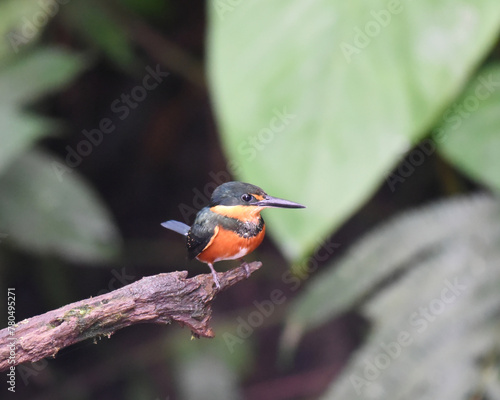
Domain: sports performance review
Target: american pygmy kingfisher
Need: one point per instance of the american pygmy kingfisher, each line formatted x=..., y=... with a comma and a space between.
x=231, y=226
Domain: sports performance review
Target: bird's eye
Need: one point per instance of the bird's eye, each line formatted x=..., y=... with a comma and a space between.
x=246, y=197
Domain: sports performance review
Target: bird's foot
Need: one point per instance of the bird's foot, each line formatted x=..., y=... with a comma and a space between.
x=216, y=281
x=245, y=265
x=214, y=274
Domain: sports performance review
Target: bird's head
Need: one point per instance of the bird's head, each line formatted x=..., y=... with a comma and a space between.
x=242, y=197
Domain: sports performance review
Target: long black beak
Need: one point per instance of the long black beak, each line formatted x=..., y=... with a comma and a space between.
x=270, y=201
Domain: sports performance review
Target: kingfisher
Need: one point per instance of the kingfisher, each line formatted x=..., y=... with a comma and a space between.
x=231, y=226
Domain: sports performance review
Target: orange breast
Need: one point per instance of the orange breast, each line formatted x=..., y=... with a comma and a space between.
x=228, y=245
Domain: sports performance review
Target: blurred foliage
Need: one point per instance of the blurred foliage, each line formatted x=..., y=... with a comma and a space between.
x=22, y=81
x=330, y=94
x=388, y=252
x=438, y=269
x=63, y=217
x=432, y=338
x=470, y=135
x=45, y=206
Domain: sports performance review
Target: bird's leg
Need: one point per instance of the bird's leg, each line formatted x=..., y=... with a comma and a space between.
x=244, y=264
x=214, y=274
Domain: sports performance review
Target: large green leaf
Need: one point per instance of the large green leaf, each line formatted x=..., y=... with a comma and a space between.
x=43, y=213
x=470, y=135
x=313, y=108
x=23, y=80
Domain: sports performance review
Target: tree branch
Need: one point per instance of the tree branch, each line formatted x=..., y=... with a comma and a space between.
x=158, y=299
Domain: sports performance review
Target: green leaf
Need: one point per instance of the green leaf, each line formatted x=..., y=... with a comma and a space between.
x=314, y=109
x=382, y=254
x=22, y=81
x=435, y=331
x=470, y=134
x=47, y=208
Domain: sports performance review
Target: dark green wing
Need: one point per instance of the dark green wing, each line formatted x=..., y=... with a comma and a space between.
x=201, y=232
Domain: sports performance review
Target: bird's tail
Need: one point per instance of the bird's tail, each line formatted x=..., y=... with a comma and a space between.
x=176, y=226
